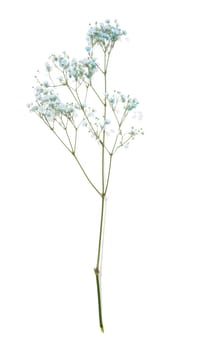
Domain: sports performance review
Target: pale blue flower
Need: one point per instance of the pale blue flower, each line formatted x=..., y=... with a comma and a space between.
x=34, y=108
x=63, y=62
x=46, y=84
x=38, y=90
x=50, y=113
x=44, y=98
x=111, y=100
x=88, y=48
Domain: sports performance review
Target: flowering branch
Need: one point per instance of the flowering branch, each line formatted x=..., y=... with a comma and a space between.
x=65, y=116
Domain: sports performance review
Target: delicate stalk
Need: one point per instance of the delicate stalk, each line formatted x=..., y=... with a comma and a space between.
x=109, y=172
x=94, y=90
x=97, y=269
x=68, y=138
x=75, y=140
x=84, y=172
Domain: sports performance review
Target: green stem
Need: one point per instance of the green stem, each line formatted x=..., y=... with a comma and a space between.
x=100, y=233
x=97, y=269
x=99, y=301
x=98, y=264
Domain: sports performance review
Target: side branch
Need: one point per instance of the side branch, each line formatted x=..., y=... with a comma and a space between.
x=74, y=155
x=94, y=90
x=84, y=172
x=54, y=132
x=109, y=172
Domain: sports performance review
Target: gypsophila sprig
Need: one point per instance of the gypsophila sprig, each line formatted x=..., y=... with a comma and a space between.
x=104, y=34
x=69, y=102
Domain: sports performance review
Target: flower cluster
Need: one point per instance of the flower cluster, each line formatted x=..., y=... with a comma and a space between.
x=83, y=68
x=76, y=69
x=104, y=34
x=135, y=131
x=49, y=105
x=126, y=128
x=127, y=102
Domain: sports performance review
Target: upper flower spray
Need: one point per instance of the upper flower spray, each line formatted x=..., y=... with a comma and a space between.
x=68, y=98
x=104, y=34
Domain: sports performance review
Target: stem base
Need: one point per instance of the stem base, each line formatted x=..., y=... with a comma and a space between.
x=97, y=274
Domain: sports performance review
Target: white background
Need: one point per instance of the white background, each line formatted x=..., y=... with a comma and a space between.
x=156, y=252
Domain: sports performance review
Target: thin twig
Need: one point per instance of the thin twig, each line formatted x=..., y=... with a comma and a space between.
x=100, y=99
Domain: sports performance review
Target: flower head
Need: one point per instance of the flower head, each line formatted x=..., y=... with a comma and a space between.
x=104, y=34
